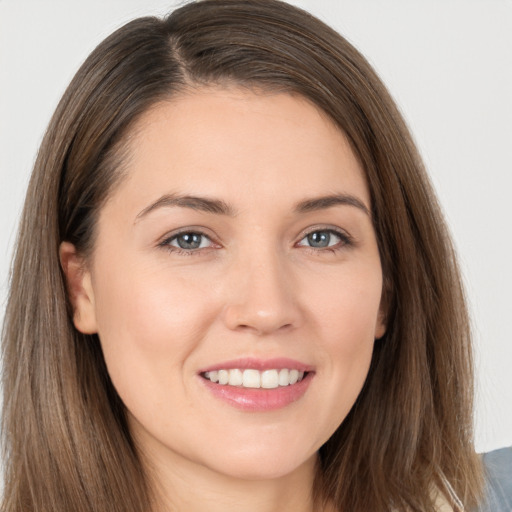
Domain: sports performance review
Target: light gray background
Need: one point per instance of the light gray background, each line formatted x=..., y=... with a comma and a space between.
x=448, y=64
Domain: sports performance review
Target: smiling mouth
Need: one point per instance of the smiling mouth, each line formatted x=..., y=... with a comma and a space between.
x=254, y=379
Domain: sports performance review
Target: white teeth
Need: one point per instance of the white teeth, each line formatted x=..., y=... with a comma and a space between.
x=236, y=378
x=251, y=379
x=284, y=377
x=213, y=376
x=267, y=379
x=223, y=376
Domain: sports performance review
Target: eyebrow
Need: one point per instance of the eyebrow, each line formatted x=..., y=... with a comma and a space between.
x=202, y=204
x=220, y=207
x=321, y=203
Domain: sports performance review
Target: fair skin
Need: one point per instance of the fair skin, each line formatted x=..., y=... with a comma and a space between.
x=261, y=273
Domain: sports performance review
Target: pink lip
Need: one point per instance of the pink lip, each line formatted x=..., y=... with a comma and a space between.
x=259, y=400
x=248, y=363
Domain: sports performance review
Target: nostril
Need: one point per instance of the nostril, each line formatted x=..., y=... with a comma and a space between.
x=261, y=330
x=262, y=313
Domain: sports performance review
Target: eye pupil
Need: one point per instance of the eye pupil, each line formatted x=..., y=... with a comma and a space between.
x=319, y=239
x=189, y=240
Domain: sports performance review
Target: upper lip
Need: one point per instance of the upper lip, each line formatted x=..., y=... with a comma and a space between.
x=251, y=363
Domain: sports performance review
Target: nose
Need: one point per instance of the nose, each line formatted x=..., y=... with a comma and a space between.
x=262, y=298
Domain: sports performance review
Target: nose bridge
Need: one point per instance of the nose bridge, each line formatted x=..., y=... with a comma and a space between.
x=261, y=298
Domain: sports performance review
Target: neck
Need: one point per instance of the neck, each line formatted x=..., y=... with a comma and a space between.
x=191, y=487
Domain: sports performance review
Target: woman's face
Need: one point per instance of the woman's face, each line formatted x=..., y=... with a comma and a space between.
x=238, y=248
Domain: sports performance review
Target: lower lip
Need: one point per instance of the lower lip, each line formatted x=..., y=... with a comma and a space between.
x=260, y=399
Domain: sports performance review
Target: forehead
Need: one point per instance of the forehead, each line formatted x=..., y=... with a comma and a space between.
x=233, y=141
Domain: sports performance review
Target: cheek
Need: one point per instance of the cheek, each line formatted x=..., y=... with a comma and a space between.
x=346, y=318
x=148, y=323
x=347, y=328
x=347, y=310
x=148, y=306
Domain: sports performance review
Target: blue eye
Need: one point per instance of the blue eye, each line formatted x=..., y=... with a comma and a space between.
x=189, y=241
x=323, y=239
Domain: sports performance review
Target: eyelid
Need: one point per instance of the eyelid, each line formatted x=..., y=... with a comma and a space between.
x=324, y=227
x=164, y=242
x=344, y=236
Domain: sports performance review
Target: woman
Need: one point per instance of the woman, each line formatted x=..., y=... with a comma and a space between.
x=233, y=286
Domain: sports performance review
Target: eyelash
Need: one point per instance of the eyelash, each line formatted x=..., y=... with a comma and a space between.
x=345, y=242
x=166, y=243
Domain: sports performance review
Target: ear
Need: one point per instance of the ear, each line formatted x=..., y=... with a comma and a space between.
x=79, y=285
x=381, y=325
x=383, y=314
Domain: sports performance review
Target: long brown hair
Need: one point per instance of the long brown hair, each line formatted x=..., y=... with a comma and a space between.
x=66, y=442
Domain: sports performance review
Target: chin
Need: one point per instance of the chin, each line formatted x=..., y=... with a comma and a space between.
x=264, y=466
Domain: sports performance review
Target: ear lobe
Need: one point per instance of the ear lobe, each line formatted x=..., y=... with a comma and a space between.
x=79, y=285
x=380, y=326
x=382, y=318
